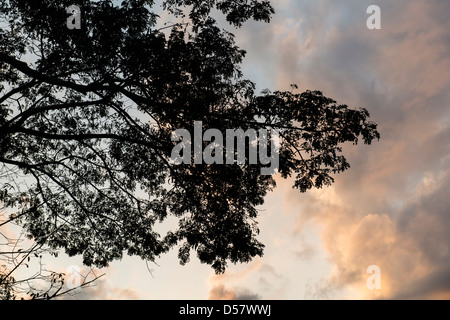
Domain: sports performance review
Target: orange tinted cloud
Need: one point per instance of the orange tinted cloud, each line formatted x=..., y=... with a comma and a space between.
x=391, y=208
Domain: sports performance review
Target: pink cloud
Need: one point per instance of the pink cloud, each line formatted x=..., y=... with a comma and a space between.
x=390, y=208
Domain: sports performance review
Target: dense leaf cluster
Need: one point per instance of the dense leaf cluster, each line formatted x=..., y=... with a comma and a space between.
x=88, y=119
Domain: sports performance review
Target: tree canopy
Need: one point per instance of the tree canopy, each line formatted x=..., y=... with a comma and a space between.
x=86, y=118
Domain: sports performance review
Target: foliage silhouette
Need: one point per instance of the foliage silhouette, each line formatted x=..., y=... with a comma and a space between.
x=88, y=120
x=42, y=283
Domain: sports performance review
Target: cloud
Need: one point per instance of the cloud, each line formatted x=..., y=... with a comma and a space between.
x=391, y=208
x=409, y=241
x=102, y=290
x=220, y=292
x=435, y=286
x=305, y=250
x=257, y=280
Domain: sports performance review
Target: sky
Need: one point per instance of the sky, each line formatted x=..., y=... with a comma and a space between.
x=390, y=209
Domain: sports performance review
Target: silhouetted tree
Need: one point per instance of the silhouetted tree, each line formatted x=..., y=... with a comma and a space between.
x=23, y=275
x=87, y=116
